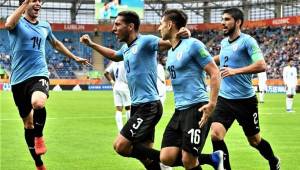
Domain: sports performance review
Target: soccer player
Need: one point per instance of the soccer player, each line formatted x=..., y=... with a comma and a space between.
x=161, y=78
x=187, y=62
x=262, y=85
x=290, y=82
x=239, y=58
x=140, y=58
x=120, y=90
x=29, y=76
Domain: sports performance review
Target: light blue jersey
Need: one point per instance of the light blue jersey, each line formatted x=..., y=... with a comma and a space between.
x=27, y=42
x=186, y=67
x=240, y=53
x=141, y=67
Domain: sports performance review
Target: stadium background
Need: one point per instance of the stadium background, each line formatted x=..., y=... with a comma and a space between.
x=81, y=127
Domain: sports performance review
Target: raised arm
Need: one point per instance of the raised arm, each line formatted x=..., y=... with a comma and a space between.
x=59, y=46
x=106, y=52
x=14, y=18
x=182, y=33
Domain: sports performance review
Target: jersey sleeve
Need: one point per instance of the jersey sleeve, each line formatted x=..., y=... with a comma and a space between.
x=119, y=53
x=200, y=54
x=50, y=36
x=14, y=30
x=253, y=50
x=151, y=42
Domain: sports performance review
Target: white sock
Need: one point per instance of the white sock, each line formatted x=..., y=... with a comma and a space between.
x=127, y=114
x=289, y=103
x=261, y=96
x=119, y=120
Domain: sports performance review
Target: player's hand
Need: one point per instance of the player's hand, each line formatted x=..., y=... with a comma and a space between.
x=206, y=110
x=183, y=33
x=85, y=39
x=226, y=71
x=112, y=82
x=81, y=60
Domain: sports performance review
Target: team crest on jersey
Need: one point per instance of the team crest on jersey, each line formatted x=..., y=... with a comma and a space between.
x=235, y=47
x=179, y=55
x=134, y=49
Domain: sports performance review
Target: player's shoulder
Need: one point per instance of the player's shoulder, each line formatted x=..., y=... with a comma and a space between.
x=247, y=37
x=147, y=36
x=193, y=42
x=44, y=23
x=224, y=41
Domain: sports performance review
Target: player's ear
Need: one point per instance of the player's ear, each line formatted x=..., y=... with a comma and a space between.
x=170, y=25
x=131, y=26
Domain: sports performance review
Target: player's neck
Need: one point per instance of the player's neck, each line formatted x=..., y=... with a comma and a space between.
x=235, y=35
x=174, y=41
x=31, y=19
x=132, y=38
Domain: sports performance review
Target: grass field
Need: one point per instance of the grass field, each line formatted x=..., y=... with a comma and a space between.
x=80, y=130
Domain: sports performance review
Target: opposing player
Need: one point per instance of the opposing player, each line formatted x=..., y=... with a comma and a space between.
x=262, y=85
x=139, y=54
x=120, y=90
x=290, y=82
x=239, y=58
x=29, y=77
x=161, y=78
x=187, y=62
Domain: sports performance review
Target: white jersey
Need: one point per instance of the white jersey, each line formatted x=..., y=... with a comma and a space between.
x=161, y=82
x=262, y=80
x=290, y=76
x=119, y=72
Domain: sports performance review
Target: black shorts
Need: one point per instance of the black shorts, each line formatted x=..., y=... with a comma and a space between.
x=245, y=111
x=22, y=93
x=183, y=130
x=141, y=125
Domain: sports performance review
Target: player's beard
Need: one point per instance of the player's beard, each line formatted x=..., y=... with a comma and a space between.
x=230, y=31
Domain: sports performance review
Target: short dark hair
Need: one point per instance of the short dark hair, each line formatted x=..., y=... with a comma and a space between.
x=21, y=2
x=236, y=13
x=131, y=17
x=177, y=16
x=290, y=59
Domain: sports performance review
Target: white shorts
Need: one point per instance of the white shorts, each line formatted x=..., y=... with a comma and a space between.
x=291, y=90
x=122, y=97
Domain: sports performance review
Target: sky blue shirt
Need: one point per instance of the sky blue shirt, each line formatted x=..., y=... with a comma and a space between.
x=27, y=43
x=140, y=59
x=186, y=65
x=240, y=53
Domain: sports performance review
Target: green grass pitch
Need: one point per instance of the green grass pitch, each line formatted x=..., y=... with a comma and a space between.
x=81, y=128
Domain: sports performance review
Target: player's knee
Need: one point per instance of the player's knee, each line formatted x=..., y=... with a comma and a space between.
x=216, y=135
x=166, y=160
x=121, y=149
x=254, y=143
x=217, y=132
x=28, y=124
x=38, y=104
